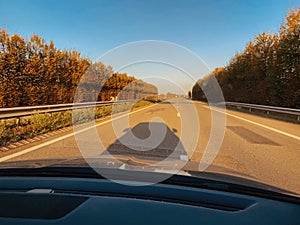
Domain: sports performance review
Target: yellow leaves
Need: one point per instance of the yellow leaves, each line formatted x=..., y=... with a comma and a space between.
x=31, y=68
x=291, y=24
x=34, y=72
x=266, y=72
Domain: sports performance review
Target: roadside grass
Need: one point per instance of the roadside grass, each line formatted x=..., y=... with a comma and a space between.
x=13, y=130
x=142, y=103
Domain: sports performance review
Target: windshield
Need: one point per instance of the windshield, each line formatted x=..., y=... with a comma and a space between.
x=184, y=87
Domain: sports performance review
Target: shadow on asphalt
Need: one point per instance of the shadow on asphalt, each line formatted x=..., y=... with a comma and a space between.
x=170, y=146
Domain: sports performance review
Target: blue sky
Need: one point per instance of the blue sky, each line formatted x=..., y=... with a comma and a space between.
x=214, y=30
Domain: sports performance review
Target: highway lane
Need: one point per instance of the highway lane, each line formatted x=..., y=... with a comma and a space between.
x=264, y=149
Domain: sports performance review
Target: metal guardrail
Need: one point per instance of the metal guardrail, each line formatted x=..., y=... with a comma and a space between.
x=17, y=112
x=267, y=109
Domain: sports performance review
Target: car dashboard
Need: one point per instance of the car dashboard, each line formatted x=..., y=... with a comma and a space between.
x=73, y=200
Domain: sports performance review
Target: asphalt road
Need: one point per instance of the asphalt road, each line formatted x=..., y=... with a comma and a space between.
x=264, y=149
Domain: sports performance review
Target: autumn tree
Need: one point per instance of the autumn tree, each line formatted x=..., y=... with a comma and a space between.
x=34, y=72
x=288, y=59
x=267, y=71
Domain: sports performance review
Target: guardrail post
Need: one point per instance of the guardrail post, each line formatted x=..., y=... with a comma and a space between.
x=298, y=118
x=250, y=110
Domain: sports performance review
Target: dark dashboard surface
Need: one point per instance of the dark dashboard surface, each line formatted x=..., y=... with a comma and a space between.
x=72, y=200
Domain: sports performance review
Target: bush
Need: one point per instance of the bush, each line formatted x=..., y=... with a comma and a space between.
x=41, y=122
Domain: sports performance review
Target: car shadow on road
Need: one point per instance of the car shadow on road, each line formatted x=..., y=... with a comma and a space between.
x=131, y=144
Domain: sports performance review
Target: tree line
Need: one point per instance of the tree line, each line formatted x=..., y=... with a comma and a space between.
x=34, y=72
x=266, y=72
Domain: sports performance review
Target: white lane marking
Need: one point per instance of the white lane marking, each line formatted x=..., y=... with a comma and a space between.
x=184, y=158
x=258, y=124
x=33, y=148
